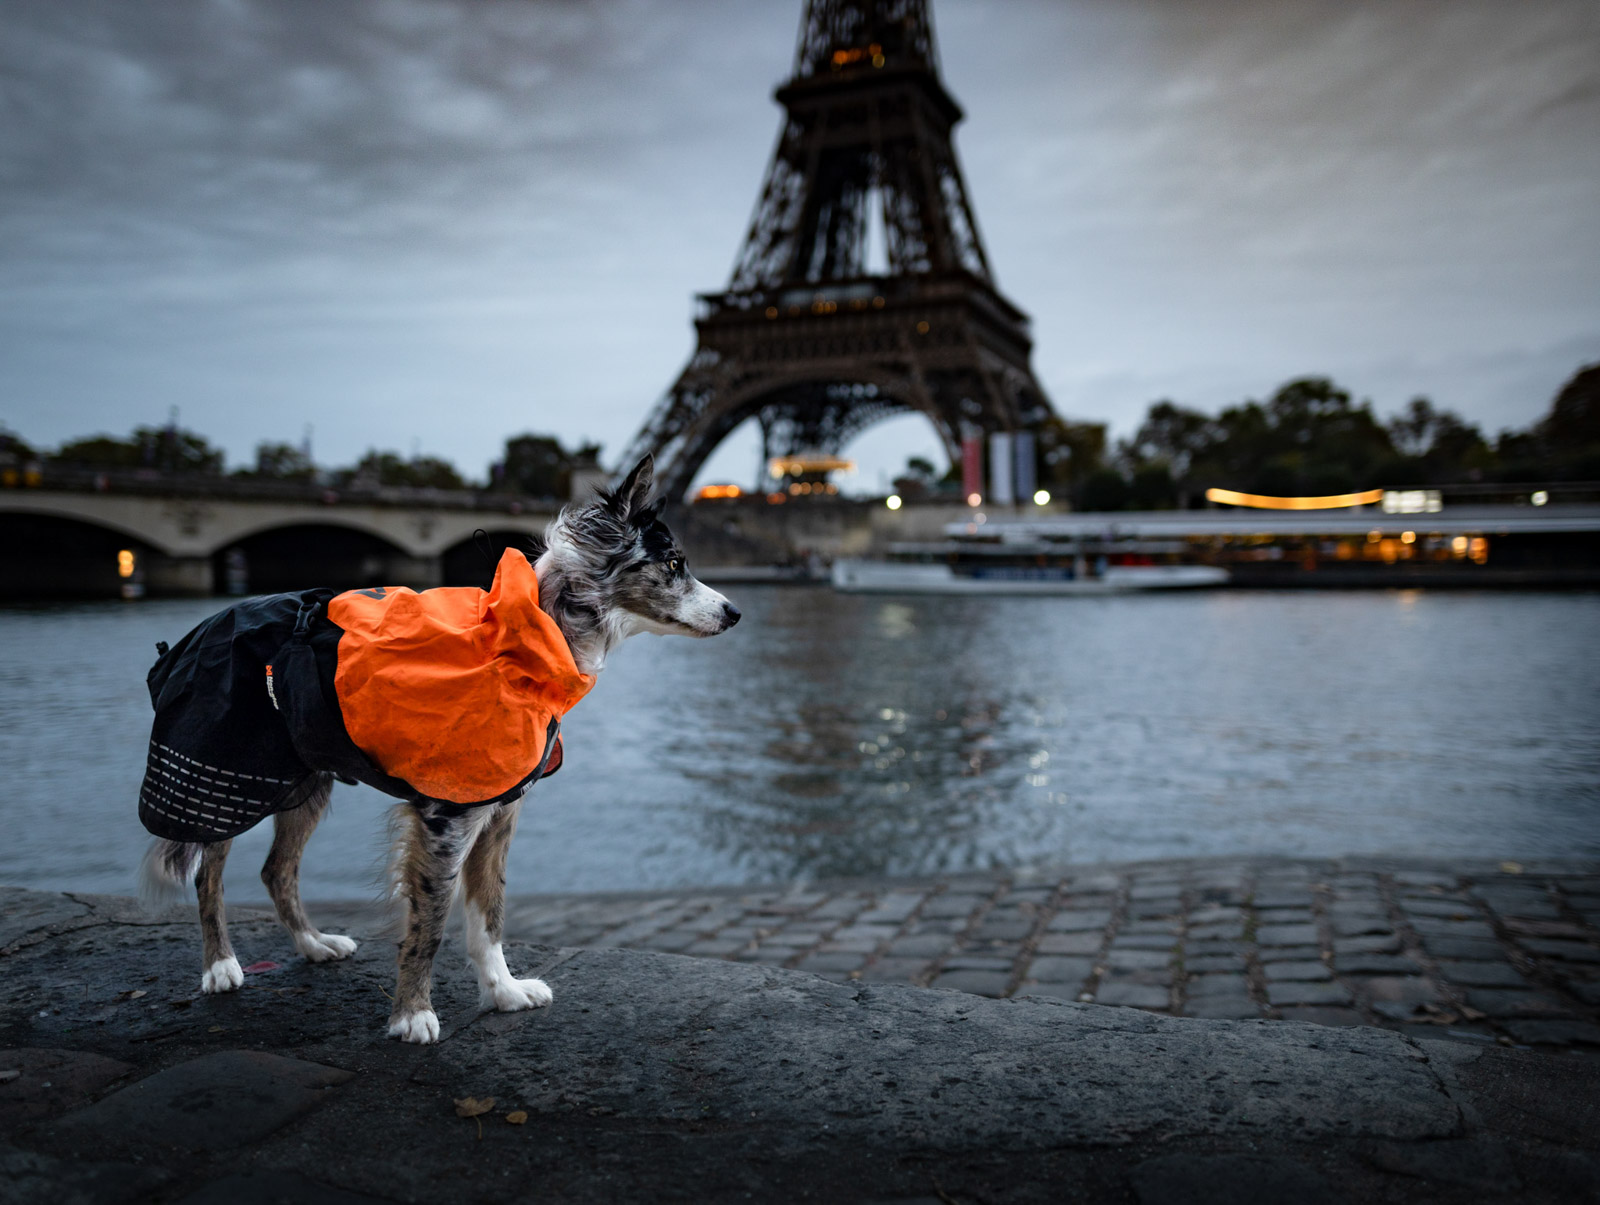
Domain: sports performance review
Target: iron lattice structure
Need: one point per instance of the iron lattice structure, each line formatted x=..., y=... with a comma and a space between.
x=862, y=288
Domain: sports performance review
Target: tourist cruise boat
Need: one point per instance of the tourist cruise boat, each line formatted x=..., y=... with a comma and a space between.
x=1028, y=561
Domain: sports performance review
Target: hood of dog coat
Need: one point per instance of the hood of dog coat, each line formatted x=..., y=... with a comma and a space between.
x=454, y=690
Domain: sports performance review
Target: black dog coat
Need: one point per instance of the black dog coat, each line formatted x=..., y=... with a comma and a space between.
x=451, y=695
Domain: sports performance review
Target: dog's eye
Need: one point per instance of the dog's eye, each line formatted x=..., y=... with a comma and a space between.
x=674, y=565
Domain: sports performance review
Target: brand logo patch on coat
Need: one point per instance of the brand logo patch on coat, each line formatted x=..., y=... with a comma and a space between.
x=271, y=694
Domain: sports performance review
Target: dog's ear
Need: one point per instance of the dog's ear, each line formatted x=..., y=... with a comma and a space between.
x=633, y=494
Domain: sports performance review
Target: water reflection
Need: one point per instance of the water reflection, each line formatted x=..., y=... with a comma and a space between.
x=845, y=735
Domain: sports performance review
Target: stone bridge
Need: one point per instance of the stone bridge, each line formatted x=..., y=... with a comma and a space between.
x=193, y=538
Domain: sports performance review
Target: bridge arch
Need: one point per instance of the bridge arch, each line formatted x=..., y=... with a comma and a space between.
x=47, y=555
x=471, y=562
x=299, y=556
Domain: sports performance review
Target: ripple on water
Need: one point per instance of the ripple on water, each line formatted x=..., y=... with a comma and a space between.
x=846, y=734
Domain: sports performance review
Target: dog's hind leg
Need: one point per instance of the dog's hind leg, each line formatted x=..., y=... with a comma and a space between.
x=281, y=873
x=484, y=886
x=222, y=973
x=431, y=844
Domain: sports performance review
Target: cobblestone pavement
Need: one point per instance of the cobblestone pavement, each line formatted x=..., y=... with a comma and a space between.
x=1490, y=953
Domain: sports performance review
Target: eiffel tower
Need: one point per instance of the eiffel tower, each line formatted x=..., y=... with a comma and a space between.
x=862, y=289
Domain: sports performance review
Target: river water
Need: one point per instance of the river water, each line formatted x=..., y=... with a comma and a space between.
x=846, y=734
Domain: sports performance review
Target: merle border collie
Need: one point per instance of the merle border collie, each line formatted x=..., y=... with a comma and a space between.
x=610, y=569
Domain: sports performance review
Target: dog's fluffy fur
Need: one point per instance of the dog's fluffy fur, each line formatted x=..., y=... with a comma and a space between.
x=610, y=569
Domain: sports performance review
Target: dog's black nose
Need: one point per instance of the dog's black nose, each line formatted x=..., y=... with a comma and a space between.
x=730, y=613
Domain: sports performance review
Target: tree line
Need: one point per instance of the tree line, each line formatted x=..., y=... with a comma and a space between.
x=531, y=465
x=1311, y=437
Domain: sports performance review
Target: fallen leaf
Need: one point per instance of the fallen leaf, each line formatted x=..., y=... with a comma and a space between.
x=1472, y=1014
x=517, y=1118
x=1511, y=868
x=255, y=968
x=471, y=1106
x=218, y=1029
x=131, y=995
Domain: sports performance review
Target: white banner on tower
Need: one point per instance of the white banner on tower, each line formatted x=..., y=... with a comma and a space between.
x=1000, y=465
x=1027, y=476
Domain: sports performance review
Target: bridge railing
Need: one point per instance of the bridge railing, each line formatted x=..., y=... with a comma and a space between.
x=154, y=483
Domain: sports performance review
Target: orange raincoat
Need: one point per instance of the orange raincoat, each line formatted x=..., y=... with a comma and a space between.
x=453, y=690
x=452, y=695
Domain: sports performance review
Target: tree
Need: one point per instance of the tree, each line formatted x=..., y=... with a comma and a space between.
x=167, y=449
x=1569, y=435
x=540, y=467
x=281, y=462
x=1068, y=453
x=389, y=469
x=15, y=448
x=1434, y=445
x=1103, y=489
x=1172, y=435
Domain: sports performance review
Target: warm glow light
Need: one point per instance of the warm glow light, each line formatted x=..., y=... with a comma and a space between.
x=774, y=498
x=1268, y=502
x=1374, y=536
x=1412, y=502
x=1041, y=497
x=1408, y=537
x=799, y=466
x=125, y=563
x=892, y=501
x=1459, y=545
x=719, y=491
x=974, y=499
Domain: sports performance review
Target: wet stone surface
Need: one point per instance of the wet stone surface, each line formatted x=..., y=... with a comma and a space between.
x=1473, y=949
x=734, y=1074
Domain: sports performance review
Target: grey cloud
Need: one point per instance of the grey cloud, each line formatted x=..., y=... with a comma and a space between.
x=448, y=220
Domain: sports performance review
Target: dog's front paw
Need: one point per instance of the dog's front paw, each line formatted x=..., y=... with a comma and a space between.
x=422, y=1027
x=514, y=995
x=223, y=975
x=324, y=947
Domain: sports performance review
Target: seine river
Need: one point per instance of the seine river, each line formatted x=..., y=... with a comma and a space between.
x=841, y=735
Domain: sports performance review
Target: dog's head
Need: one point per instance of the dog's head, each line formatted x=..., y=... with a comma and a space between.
x=619, y=570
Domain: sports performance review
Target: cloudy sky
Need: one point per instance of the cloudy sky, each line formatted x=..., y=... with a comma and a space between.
x=428, y=224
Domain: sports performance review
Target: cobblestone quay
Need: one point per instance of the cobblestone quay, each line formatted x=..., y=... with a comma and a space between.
x=736, y=1075
x=1497, y=951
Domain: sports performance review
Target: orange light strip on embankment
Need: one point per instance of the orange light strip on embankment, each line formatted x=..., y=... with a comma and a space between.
x=1268, y=502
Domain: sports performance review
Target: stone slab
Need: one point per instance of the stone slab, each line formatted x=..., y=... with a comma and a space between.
x=214, y=1102
x=1230, y=1180
x=50, y=1082
x=1482, y=974
x=1375, y=964
x=1304, y=972
x=26, y=913
x=1307, y=993
x=1223, y=1008
x=658, y=1076
x=1286, y=935
x=36, y=1178
x=266, y=1187
x=1062, y=1072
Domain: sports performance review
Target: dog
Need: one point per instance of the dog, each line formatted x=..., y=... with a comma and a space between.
x=609, y=569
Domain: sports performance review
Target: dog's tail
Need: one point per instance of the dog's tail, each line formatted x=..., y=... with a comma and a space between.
x=168, y=868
